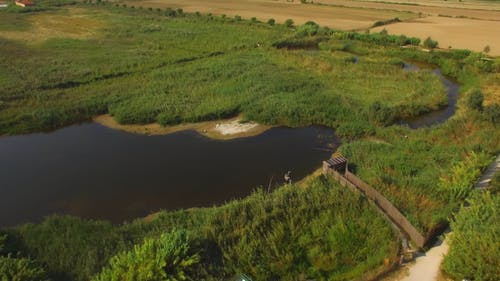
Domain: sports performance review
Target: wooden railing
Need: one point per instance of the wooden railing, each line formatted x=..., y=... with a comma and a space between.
x=352, y=181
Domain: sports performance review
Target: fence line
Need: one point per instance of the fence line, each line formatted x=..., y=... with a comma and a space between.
x=391, y=212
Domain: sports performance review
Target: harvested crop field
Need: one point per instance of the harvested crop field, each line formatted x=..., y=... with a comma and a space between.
x=472, y=25
x=457, y=33
x=478, y=10
x=344, y=18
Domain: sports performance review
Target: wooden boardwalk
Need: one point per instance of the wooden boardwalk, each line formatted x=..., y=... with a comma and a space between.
x=337, y=168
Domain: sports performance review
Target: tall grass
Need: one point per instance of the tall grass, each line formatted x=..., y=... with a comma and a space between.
x=322, y=231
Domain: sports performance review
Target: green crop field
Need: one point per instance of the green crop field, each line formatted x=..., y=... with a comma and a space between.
x=63, y=65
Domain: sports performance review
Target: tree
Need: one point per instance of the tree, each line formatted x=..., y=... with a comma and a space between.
x=289, y=23
x=429, y=43
x=271, y=22
x=475, y=100
x=168, y=258
x=310, y=28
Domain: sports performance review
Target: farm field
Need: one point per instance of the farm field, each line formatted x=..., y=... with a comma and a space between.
x=452, y=32
x=459, y=32
x=344, y=18
x=142, y=64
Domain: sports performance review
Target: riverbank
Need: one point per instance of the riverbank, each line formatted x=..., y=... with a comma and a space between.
x=220, y=129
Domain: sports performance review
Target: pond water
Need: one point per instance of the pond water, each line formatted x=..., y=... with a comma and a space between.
x=95, y=172
x=437, y=116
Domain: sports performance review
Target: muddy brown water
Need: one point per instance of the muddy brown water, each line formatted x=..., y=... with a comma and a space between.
x=92, y=171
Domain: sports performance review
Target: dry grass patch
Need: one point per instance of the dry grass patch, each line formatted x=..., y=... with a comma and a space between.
x=72, y=23
x=457, y=33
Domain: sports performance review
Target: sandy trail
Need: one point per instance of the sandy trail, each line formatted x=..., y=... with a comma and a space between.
x=426, y=267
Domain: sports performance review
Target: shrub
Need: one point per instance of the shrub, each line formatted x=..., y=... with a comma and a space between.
x=166, y=258
x=20, y=269
x=429, y=43
x=254, y=19
x=237, y=18
x=379, y=114
x=169, y=12
x=475, y=100
x=271, y=22
x=289, y=23
x=474, y=251
x=310, y=28
x=180, y=11
x=492, y=113
x=459, y=181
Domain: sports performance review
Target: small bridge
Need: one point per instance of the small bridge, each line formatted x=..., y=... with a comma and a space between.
x=337, y=168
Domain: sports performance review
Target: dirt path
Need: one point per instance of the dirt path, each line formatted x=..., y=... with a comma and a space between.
x=427, y=266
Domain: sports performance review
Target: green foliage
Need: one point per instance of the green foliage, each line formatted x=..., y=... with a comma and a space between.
x=459, y=182
x=14, y=268
x=385, y=22
x=289, y=23
x=474, y=242
x=381, y=115
x=492, y=113
x=167, y=258
x=310, y=28
x=429, y=43
x=318, y=231
x=271, y=22
x=71, y=247
x=475, y=100
x=20, y=269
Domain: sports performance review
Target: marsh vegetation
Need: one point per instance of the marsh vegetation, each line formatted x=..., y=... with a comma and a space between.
x=166, y=66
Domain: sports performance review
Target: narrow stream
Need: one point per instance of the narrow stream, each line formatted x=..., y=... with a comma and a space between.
x=437, y=116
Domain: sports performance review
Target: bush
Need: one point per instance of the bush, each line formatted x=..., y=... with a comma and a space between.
x=474, y=253
x=237, y=18
x=271, y=22
x=429, y=43
x=310, y=28
x=492, y=113
x=169, y=12
x=20, y=269
x=475, y=100
x=380, y=115
x=167, y=258
x=289, y=23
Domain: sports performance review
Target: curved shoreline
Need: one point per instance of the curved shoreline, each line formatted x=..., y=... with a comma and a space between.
x=225, y=129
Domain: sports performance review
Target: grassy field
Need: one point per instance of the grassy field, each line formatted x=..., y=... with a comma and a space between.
x=151, y=70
